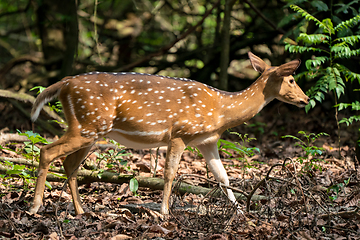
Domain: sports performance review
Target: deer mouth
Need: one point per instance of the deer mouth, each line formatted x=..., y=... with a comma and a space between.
x=303, y=103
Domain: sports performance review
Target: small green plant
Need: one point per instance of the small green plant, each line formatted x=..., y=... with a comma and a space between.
x=241, y=151
x=311, y=152
x=114, y=160
x=134, y=186
x=236, y=150
x=113, y=157
x=19, y=170
x=31, y=151
x=337, y=188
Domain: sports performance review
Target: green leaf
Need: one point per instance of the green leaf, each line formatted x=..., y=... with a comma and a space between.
x=133, y=185
x=317, y=61
x=33, y=137
x=301, y=49
x=16, y=172
x=40, y=89
x=48, y=185
x=293, y=137
x=313, y=38
x=329, y=25
x=19, y=167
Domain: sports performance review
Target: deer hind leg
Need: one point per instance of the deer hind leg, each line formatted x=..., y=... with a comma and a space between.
x=211, y=155
x=71, y=165
x=67, y=144
x=175, y=149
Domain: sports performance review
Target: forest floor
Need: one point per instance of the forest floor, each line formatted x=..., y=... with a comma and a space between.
x=316, y=199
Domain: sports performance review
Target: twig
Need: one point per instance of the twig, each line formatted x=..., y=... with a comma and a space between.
x=259, y=184
x=300, y=187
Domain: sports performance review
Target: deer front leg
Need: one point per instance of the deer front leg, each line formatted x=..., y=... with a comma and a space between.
x=211, y=155
x=71, y=165
x=173, y=155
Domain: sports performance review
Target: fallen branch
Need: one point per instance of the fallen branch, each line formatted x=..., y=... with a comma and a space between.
x=23, y=97
x=87, y=176
x=343, y=214
x=14, y=137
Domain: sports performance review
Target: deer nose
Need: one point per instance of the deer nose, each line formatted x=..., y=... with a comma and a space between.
x=306, y=101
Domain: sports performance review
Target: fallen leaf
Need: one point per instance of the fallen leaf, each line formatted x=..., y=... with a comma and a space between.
x=120, y=237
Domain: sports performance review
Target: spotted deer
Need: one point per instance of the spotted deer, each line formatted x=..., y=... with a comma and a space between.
x=146, y=111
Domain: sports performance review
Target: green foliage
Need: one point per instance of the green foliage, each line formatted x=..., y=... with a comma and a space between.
x=329, y=44
x=113, y=158
x=355, y=106
x=194, y=150
x=336, y=189
x=236, y=150
x=19, y=170
x=311, y=152
x=114, y=161
x=31, y=152
x=239, y=150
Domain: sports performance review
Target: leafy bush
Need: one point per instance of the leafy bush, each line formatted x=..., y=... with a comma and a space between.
x=329, y=44
x=332, y=42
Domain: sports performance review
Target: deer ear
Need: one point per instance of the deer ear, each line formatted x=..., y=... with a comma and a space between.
x=258, y=64
x=289, y=68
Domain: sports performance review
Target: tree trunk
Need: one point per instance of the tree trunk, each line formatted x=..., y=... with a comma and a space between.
x=58, y=29
x=225, y=45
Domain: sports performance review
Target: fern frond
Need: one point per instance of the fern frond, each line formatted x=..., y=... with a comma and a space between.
x=343, y=51
x=349, y=40
x=347, y=73
x=310, y=17
x=335, y=81
x=301, y=49
x=317, y=61
x=313, y=38
x=348, y=23
x=350, y=120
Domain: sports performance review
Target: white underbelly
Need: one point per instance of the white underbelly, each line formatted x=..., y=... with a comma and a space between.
x=132, y=144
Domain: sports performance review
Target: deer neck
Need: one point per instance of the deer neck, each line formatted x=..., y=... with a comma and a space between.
x=241, y=106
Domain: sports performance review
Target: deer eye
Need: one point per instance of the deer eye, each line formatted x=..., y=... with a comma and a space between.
x=291, y=81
